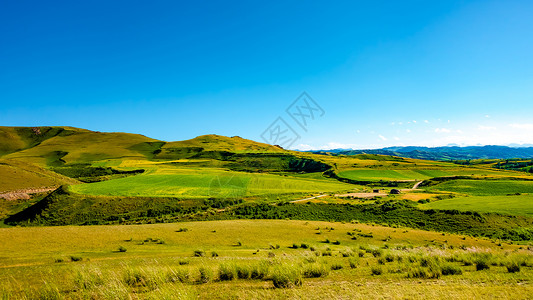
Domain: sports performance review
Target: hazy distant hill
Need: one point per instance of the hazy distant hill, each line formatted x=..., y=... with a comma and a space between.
x=444, y=153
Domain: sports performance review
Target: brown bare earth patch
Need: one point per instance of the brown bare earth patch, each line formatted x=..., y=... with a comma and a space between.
x=362, y=195
x=25, y=193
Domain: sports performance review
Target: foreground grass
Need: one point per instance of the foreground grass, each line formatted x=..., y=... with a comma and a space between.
x=248, y=259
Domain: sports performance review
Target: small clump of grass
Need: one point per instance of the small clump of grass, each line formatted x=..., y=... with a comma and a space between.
x=226, y=272
x=513, y=267
x=450, y=269
x=376, y=271
x=315, y=270
x=286, y=277
x=353, y=263
x=206, y=274
x=243, y=271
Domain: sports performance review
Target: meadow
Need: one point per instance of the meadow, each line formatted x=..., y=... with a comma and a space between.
x=413, y=173
x=223, y=218
x=246, y=259
x=208, y=182
x=521, y=205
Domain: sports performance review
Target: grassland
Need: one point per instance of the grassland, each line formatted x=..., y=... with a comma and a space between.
x=454, y=237
x=413, y=173
x=208, y=182
x=485, y=187
x=178, y=261
x=520, y=205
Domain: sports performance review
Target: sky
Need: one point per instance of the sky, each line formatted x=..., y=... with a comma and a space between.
x=302, y=74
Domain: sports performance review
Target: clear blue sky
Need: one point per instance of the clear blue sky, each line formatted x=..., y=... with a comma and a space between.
x=384, y=72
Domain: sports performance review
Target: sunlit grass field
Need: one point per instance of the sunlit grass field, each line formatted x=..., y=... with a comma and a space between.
x=513, y=205
x=218, y=260
x=413, y=173
x=208, y=182
x=486, y=187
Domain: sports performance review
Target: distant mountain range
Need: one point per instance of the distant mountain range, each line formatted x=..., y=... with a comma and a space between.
x=442, y=153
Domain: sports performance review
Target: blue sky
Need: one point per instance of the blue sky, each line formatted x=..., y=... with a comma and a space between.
x=384, y=72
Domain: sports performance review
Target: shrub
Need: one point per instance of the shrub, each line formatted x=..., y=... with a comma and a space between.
x=315, y=270
x=376, y=271
x=199, y=253
x=182, y=262
x=361, y=253
x=243, y=272
x=346, y=253
x=389, y=258
x=449, y=269
x=214, y=254
x=304, y=246
x=260, y=270
x=182, y=230
x=336, y=242
x=381, y=261
x=226, y=272
x=294, y=246
x=76, y=258
x=377, y=252
x=513, y=267
x=122, y=249
x=353, y=263
x=59, y=260
x=336, y=266
x=206, y=274
x=286, y=277
x=481, y=264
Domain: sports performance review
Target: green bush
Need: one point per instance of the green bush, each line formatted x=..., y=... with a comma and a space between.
x=336, y=266
x=122, y=249
x=199, y=253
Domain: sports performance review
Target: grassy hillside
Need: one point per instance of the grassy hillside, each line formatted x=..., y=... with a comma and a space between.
x=17, y=175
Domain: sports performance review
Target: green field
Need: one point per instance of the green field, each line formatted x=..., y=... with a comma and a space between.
x=485, y=187
x=246, y=259
x=412, y=173
x=208, y=183
x=514, y=205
